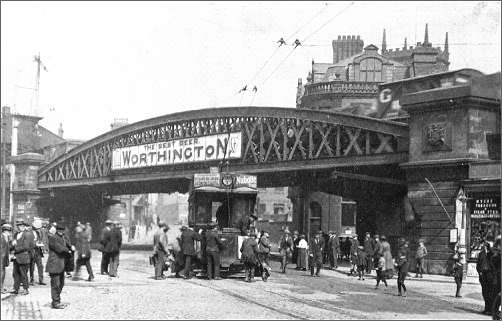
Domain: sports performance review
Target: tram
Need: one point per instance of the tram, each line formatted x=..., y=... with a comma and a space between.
x=229, y=200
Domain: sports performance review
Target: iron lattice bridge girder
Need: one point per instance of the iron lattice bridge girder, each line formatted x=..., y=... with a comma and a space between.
x=269, y=135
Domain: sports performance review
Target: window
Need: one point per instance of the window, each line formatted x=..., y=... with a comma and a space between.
x=370, y=70
x=262, y=208
x=349, y=214
x=278, y=208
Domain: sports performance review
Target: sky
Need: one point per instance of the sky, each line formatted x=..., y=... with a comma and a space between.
x=138, y=60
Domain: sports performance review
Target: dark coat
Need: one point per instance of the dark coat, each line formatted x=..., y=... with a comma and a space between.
x=213, y=241
x=188, y=238
x=334, y=244
x=264, y=246
x=402, y=255
x=4, y=251
x=59, y=251
x=484, y=264
x=111, y=240
x=316, y=248
x=249, y=249
x=361, y=258
x=354, y=247
x=286, y=245
x=83, y=246
x=25, y=245
x=160, y=242
x=369, y=246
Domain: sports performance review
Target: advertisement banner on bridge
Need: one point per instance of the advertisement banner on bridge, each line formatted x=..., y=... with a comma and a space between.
x=198, y=149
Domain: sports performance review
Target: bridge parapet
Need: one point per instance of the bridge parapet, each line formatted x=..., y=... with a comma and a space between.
x=268, y=136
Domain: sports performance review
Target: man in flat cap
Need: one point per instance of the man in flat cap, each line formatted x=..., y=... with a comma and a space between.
x=24, y=244
x=334, y=249
x=38, y=254
x=213, y=246
x=59, y=252
x=188, y=238
x=316, y=248
x=104, y=246
x=160, y=248
x=4, y=252
x=114, y=247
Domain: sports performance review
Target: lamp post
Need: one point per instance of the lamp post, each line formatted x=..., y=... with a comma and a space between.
x=462, y=249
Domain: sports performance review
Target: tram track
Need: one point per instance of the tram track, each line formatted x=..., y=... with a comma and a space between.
x=301, y=301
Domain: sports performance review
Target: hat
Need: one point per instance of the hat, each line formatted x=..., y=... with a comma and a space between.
x=6, y=227
x=377, y=236
x=37, y=224
x=287, y=231
x=302, y=235
x=212, y=224
x=60, y=225
x=355, y=236
x=361, y=247
x=162, y=224
x=108, y=222
x=319, y=232
x=20, y=221
x=115, y=222
x=183, y=228
x=331, y=232
x=383, y=238
x=254, y=216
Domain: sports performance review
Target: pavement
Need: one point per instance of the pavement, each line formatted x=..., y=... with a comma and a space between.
x=294, y=295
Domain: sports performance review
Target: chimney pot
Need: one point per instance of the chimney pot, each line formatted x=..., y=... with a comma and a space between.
x=344, y=37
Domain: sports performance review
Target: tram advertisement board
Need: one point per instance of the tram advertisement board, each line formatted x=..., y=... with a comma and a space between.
x=186, y=150
x=224, y=180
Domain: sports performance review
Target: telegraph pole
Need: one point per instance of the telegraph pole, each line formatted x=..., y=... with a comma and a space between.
x=3, y=162
x=37, y=83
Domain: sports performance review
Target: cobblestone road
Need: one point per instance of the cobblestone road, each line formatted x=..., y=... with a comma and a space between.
x=295, y=295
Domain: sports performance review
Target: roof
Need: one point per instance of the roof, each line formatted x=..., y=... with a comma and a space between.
x=466, y=71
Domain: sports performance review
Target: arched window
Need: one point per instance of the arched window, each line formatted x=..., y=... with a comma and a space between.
x=370, y=70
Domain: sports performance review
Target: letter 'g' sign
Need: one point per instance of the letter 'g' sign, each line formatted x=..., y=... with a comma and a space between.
x=385, y=96
x=197, y=149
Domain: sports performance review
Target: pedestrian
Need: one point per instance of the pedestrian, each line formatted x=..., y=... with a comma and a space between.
x=264, y=248
x=387, y=255
x=369, y=244
x=485, y=271
x=377, y=250
x=296, y=240
x=105, y=246
x=303, y=256
x=59, y=251
x=333, y=248
x=213, y=247
x=83, y=249
x=188, y=238
x=380, y=272
x=179, y=260
x=316, y=248
x=4, y=252
x=346, y=248
x=116, y=244
x=361, y=262
x=24, y=244
x=420, y=255
x=354, y=246
x=88, y=231
x=402, y=266
x=458, y=271
x=160, y=249
x=249, y=250
x=38, y=254
x=69, y=261
x=285, y=249
x=496, y=260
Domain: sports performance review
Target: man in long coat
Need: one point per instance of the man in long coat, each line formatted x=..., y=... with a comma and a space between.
x=59, y=251
x=486, y=276
x=24, y=244
x=369, y=250
x=249, y=252
x=285, y=249
x=213, y=245
x=115, y=245
x=334, y=248
x=316, y=248
x=105, y=246
x=188, y=238
x=160, y=248
x=84, y=252
x=354, y=247
x=4, y=252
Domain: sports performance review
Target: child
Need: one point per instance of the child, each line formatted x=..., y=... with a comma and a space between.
x=380, y=272
x=458, y=271
x=361, y=262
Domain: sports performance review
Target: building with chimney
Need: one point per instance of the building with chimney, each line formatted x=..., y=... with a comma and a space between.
x=350, y=82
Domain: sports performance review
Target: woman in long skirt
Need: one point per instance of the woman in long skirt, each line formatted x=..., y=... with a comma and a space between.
x=302, y=253
x=387, y=255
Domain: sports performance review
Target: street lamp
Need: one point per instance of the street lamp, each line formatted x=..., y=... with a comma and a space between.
x=462, y=250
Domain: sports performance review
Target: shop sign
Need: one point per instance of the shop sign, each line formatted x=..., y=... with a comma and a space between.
x=245, y=181
x=202, y=180
x=198, y=149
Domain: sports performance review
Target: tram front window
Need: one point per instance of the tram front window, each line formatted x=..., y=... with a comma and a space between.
x=222, y=217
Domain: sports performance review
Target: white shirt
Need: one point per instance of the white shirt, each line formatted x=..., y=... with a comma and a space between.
x=302, y=244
